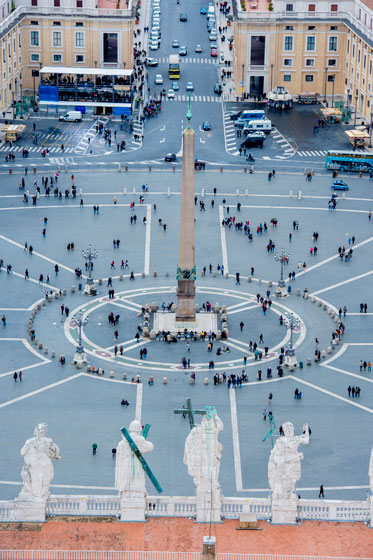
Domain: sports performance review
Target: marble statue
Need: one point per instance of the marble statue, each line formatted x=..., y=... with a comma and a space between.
x=129, y=474
x=284, y=470
x=202, y=456
x=37, y=472
x=370, y=472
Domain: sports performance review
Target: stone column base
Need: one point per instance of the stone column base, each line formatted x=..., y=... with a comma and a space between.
x=79, y=359
x=90, y=289
x=284, y=511
x=290, y=362
x=133, y=509
x=281, y=292
x=30, y=511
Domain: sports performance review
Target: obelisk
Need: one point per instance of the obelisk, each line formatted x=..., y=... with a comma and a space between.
x=186, y=270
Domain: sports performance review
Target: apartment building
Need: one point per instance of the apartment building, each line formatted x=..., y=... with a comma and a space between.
x=308, y=47
x=60, y=33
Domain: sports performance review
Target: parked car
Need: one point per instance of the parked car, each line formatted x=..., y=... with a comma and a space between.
x=151, y=62
x=256, y=139
x=171, y=94
x=183, y=17
x=175, y=44
x=190, y=86
x=339, y=185
x=153, y=45
x=206, y=125
x=183, y=51
x=218, y=89
x=175, y=86
x=158, y=79
x=198, y=48
x=236, y=116
x=214, y=52
x=170, y=157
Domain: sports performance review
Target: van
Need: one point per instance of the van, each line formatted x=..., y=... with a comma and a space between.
x=265, y=125
x=211, y=11
x=71, y=116
x=250, y=115
x=254, y=140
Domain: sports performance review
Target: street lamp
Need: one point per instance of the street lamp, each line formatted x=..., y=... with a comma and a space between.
x=283, y=258
x=348, y=100
x=356, y=98
x=326, y=74
x=290, y=360
x=271, y=75
x=89, y=255
x=242, y=81
x=79, y=356
x=333, y=80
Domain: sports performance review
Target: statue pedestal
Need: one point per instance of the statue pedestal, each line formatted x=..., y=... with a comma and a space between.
x=30, y=511
x=281, y=291
x=284, y=511
x=290, y=362
x=133, y=508
x=208, y=548
x=90, y=289
x=79, y=359
x=208, y=508
x=185, y=301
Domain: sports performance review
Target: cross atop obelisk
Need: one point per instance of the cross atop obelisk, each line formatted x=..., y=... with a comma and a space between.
x=186, y=270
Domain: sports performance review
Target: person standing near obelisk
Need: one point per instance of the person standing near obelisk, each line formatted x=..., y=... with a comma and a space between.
x=186, y=270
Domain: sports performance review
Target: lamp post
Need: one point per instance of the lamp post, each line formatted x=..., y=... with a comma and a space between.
x=290, y=360
x=356, y=98
x=13, y=103
x=79, y=356
x=283, y=258
x=333, y=80
x=348, y=100
x=326, y=75
x=271, y=75
x=89, y=255
x=242, y=81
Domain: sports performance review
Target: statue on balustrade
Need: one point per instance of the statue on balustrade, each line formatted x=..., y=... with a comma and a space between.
x=284, y=466
x=37, y=472
x=129, y=473
x=202, y=456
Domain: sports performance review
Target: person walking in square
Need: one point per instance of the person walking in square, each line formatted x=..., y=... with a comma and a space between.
x=321, y=493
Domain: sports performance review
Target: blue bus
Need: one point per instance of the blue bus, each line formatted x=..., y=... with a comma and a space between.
x=349, y=160
x=250, y=115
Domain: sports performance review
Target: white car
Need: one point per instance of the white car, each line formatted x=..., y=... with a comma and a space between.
x=190, y=86
x=153, y=45
x=171, y=94
x=158, y=79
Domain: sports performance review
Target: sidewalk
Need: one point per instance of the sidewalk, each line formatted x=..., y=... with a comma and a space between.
x=225, y=55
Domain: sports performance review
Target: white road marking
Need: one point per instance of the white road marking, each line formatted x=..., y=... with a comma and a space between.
x=138, y=402
x=148, y=239
x=353, y=279
x=223, y=240
x=236, y=441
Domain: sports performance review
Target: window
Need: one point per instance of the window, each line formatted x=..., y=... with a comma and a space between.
x=311, y=43
x=289, y=28
x=34, y=2
x=368, y=104
x=331, y=78
x=370, y=68
x=79, y=58
x=79, y=24
x=358, y=56
x=310, y=62
x=287, y=77
x=333, y=43
x=353, y=51
x=56, y=23
x=35, y=57
x=9, y=50
x=333, y=28
x=34, y=38
x=288, y=45
x=312, y=7
x=311, y=28
x=365, y=61
x=79, y=39
x=14, y=44
x=57, y=58
x=334, y=8
x=33, y=22
x=348, y=46
x=57, y=3
x=309, y=77
x=19, y=40
x=289, y=7
x=332, y=62
x=57, y=38
x=79, y=3
x=288, y=62
x=4, y=56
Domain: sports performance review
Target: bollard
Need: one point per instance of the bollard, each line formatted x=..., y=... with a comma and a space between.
x=259, y=281
x=166, y=274
x=174, y=168
x=125, y=189
x=111, y=375
x=237, y=192
x=118, y=166
x=45, y=350
x=298, y=292
x=343, y=195
x=291, y=194
x=10, y=170
x=319, y=303
x=143, y=275
x=246, y=192
x=249, y=278
x=270, y=284
x=53, y=354
x=329, y=349
x=100, y=281
x=245, y=169
x=164, y=381
x=299, y=195
x=35, y=341
x=126, y=168
x=124, y=376
x=120, y=277
x=206, y=381
x=203, y=193
x=226, y=275
x=34, y=170
x=323, y=354
x=72, y=289
x=221, y=169
x=150, y=167
x=155, y=274
x=309, y=361
x=168, y=191
x=40, y=346
x=313, y=299
x=192, y=381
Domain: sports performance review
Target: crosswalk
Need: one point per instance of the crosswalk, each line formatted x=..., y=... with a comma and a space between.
x=190, y=60
x=313, y=153
x=197, y=98
x=33, y=149
x=83, y=144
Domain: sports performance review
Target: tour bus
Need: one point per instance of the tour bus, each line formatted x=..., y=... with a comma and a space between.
x=174, y=67
x=349, y=160
x=247, y=116
x=265, y=125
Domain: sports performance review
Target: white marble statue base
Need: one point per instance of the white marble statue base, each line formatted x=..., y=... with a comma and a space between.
x=133, y=509
x=90, y=289
x=30, y=511
x=290, y=362
x=281, y=292
x=79, y=359
x=167, y=322
x=284, y=511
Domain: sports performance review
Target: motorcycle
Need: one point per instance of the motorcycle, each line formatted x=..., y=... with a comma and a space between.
x=250, y=157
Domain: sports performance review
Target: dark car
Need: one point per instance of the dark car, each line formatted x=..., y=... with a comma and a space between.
x=206, y=125
x=170, y=157
x=236, y=116
x=255, y=140
x=218, y=89
x=339, y=185
x=183, y=17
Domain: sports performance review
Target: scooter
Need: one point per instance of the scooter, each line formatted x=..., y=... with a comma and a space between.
x=250, y=157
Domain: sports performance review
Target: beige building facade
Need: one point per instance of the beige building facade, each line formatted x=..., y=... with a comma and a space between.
x=36, y=36
x=307, y=47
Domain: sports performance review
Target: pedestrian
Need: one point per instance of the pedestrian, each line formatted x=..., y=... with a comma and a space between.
x=94, y=448
x=349, y=390
x=113, y=452
x=321, y=493
x=242, y=324
x=265, y=414
x=3, y=320
x=26, y=274
x=20, y=376
x=15, y=377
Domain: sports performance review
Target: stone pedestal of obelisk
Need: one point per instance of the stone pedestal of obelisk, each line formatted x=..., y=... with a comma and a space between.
x=186, y=271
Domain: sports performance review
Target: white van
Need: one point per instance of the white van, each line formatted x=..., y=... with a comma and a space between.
x=71, y=116
x=211, y=11
x=265, y=125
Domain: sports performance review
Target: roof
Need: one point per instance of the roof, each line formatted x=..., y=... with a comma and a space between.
x=85, y=71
